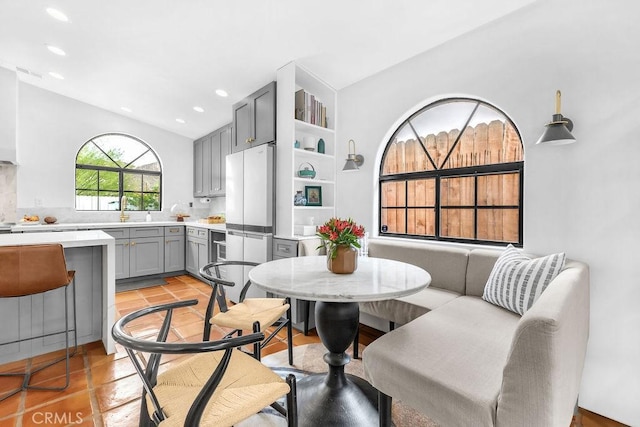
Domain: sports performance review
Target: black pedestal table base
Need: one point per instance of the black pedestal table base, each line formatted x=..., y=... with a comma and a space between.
x=335, y=398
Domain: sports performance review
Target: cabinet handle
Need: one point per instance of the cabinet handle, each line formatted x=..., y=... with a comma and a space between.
x=250, y=140
x=126, y=244
x=133, y=243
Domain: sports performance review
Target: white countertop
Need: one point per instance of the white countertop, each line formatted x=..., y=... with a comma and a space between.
x=215, y=227
x=68, y=239
x=308, y=278
x=101, y=225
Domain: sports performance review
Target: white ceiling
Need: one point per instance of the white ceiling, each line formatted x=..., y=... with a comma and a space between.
x=160, y=58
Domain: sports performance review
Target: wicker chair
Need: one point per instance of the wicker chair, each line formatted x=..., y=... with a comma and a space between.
x=250, y=314
x=217, y=386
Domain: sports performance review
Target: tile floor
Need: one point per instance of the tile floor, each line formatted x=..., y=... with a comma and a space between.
x=105, y=390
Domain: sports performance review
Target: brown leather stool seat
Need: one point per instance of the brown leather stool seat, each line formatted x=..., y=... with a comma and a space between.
x=34, y=269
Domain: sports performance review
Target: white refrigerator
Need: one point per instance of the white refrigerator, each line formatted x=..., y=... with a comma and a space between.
x=250, y=204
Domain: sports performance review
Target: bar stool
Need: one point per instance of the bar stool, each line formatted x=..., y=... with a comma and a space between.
x=30, y=270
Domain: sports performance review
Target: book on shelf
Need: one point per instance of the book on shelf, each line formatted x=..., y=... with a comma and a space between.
x=309, y=109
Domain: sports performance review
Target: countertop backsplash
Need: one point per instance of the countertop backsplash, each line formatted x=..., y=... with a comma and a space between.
x=8, y=193
x=69, y=215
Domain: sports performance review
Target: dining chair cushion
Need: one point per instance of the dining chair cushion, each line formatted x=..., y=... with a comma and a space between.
x=247, y=387
x=242, y=316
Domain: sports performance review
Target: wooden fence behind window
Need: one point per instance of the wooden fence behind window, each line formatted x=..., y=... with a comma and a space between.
x=413, y=211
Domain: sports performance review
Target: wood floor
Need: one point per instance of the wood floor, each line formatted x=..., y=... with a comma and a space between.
x=105, y=389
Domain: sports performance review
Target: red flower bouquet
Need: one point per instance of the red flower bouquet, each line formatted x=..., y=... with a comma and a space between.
x=337, y=232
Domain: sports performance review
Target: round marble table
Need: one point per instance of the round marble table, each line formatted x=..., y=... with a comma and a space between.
x=335, y=398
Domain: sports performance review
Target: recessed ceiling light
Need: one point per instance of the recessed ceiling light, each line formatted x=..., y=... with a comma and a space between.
x=56, y=50
x=221, y=92
x=181, y=121
x=56, y=75
x=126, y=109
x=199, y=109
x=55, y=13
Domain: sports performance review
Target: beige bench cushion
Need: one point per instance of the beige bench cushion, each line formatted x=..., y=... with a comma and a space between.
x=481, y=262
x=448, y=363
x=446, y=265
x=404, y=310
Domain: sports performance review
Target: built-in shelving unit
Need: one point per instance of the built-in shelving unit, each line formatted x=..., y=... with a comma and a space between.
x=292, y=78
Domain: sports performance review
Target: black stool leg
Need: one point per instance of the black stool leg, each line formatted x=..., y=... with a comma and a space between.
x=257, y=353
x=289, y=333
x=307, y=309
x=384, y=408
x=356, y=342
x=292, y=402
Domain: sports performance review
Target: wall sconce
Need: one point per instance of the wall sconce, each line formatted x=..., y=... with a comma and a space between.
x=354, y=161
x=558, y=132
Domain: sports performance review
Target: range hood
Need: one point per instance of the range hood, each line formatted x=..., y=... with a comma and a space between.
x=8, y=115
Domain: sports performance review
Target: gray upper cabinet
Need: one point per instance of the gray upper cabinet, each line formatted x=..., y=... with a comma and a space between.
x=209, y=154
x=254, y=119
x=220, y=147
x=199, y=166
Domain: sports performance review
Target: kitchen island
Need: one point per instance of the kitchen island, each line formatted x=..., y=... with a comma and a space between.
x=91, y=253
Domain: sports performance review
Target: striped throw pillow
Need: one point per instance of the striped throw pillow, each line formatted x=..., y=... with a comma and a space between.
x=517, y=281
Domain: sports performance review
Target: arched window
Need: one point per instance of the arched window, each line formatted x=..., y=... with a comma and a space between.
x=454, y=171
x=113, y=165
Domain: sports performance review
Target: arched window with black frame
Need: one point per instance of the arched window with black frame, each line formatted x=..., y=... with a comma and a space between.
x=113, y=165
x=454, y=171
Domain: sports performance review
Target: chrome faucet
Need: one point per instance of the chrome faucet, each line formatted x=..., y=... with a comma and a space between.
x=123, y=203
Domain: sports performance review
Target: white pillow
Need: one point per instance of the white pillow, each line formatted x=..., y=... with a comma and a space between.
x=517, y=281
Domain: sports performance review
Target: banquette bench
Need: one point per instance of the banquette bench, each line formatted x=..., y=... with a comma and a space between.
x=463, y=361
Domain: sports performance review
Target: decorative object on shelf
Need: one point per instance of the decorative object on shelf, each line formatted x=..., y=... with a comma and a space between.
x=354, y=161
x=558, y=132
x=299, y=199
x=313, y=194
x=321, y=146
x=341, y=239
x=309, y=143
x=296, y=144
x=309, y=109
x=306, y=172
x=50, y=219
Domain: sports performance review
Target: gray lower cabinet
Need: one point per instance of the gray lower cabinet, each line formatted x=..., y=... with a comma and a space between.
x=28, y=316
x=145, y=251
x=174, y=249
x=197, y=250
x=146, y=256
x=122, y=258
x=301, y=310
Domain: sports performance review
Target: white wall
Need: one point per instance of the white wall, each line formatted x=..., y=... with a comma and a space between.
x=51, y=129
x=582, y=198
